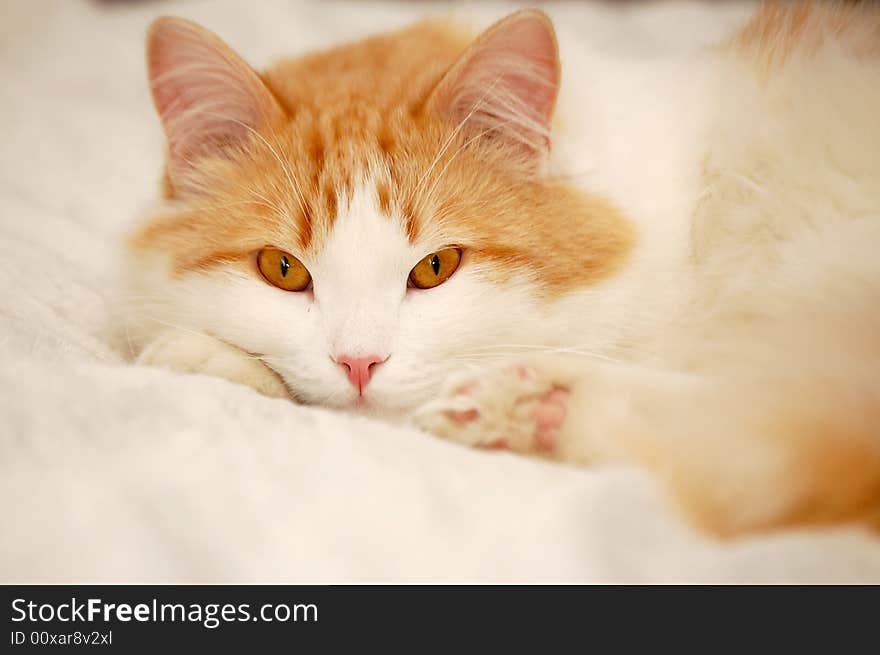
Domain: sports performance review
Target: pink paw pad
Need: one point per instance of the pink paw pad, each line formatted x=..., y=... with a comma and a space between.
x=465, y=416
x=526, y=373
x=549, y=416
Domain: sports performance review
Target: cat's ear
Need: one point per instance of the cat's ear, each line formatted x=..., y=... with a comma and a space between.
x=207, y=97
x=505, y=85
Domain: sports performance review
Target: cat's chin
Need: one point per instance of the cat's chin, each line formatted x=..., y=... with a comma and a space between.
x=373, y=407
x=370, y=409
x=382, y=408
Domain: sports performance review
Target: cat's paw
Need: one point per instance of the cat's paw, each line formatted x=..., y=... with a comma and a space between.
x=517, y=407
x=191, y=352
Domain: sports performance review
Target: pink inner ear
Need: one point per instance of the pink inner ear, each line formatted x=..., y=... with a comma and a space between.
x=523, y=57
x=206, y=96
x=506, y=84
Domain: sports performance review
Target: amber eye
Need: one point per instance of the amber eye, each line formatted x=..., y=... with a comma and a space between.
x=435, y=269
x=283, y=270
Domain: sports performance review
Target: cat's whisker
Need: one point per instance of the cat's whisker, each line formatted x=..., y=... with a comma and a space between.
x=290, y=176
x=128, y=340
x=173, y=326
x=454, y=134
x=259, y=203
x=513, y=350
x=448, y=210
x=517, y=113
x=176, y=326
x=278, y=210
x=274, y=360
x=284, y=166
x=464, y=146
x=531, y=346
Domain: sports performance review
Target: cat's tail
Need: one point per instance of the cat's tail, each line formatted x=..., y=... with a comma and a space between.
x=757, y=456
x=782, y=424
x=779, y=420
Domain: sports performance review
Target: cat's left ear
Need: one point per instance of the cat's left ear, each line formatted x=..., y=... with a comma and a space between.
x=504, y=86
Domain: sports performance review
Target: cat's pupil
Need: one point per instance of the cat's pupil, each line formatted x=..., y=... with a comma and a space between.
x=435, y=264
x=285, y=265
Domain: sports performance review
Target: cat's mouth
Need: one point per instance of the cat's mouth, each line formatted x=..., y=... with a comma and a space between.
x=375, y=406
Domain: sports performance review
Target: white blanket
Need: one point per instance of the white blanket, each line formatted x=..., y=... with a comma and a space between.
x=110, y=472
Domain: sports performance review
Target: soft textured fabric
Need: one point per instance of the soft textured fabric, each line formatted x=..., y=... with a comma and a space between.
x=110, y=472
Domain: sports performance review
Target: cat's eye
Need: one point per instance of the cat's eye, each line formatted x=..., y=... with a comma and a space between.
x=283, y=270
x=435, y=269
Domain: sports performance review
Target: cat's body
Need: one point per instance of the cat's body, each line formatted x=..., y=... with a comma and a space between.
x=687, y=278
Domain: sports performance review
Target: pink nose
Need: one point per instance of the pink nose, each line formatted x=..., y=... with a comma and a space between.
x=360, y=369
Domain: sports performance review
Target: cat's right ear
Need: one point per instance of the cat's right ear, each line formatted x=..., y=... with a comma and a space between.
x=504, y=86
x=206, y=95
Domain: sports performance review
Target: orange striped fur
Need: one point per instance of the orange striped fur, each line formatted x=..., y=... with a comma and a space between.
x=360, y=110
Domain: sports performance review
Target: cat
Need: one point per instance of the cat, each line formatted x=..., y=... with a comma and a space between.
x=671, y=261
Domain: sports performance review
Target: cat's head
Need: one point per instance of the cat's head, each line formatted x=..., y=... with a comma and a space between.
x=370, y=218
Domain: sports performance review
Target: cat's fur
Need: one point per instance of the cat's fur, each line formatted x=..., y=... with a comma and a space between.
x=682, y=272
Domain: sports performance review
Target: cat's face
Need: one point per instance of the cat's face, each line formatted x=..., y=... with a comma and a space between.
x=371, y=219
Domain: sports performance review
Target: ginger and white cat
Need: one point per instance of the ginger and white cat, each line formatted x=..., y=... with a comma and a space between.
x=676, y=262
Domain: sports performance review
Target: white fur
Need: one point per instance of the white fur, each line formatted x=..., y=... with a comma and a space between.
x=361, y=305
x=745, y=196
x=755, y=285
x=117, y=473
x=728, y=179
x=612, y=111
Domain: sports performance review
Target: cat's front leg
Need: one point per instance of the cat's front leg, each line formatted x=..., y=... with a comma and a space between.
x=737, y=454
x=541, y=406
x=193, y=352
